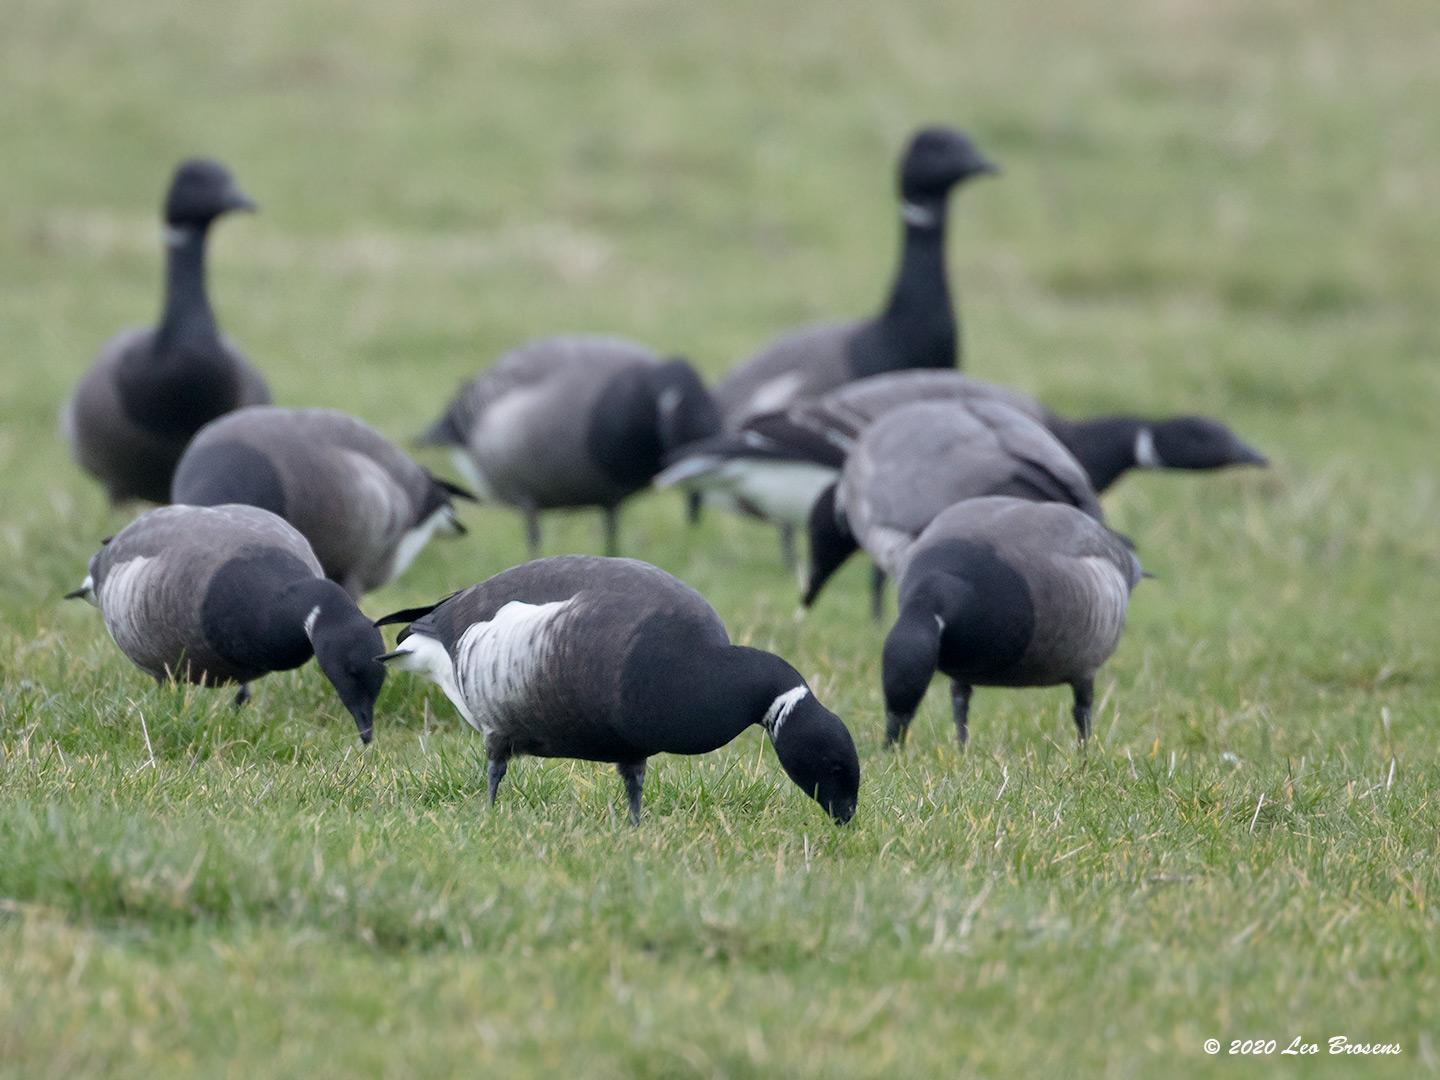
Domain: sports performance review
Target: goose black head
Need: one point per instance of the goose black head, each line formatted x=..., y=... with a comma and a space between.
x=346, y=646
x=815, y=750
x=937, y=159
x=1193, y=442
x=200, y=192
x=687, y=410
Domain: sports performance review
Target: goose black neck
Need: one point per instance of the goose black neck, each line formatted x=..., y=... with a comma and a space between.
x=186, y=318
x=1105, y=446
x=918, y=320
x=721, y=688
x=257, y=606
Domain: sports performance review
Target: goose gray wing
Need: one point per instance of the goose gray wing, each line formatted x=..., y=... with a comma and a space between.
x=150, y=580
x=842, y=414
x=1043, y=469
x=801, y=364
x=537, y=653
x=918, y=459
x=526, y=367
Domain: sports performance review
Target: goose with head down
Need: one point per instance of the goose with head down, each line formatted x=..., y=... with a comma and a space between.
x=365, y=507
x=226, y=594
x=573, y=422
x=615, y=660
x=1000, y=591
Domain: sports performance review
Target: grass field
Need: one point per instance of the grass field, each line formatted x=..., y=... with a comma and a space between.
x=1224, y=207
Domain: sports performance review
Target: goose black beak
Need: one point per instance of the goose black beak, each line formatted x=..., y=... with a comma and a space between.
x=384, y=657
x=1249, y=456
x=238, y=200
x=78, y=594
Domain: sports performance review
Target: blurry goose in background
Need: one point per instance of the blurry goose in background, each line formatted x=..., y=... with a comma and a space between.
x=615, y=660
x=916, y=461
x=1001, y=591
x=364, y=506
x=571, y=422
x=150, y=389
x=917, y=326
x=225, y=594
x=779, y=464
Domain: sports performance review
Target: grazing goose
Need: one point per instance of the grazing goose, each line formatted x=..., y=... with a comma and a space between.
x=615, y=660
x=363, y=505
x=1000, y=591
x=915, y=329
x=150, y=389
x=225, y=594
x=916, y=461
x=779, y=464
x=573, y=421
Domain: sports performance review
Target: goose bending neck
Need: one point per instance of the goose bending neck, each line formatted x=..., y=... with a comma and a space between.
x=186, y=317
x=725, y=689
x=918, y=320
x=268, y=608
x=1105, y=446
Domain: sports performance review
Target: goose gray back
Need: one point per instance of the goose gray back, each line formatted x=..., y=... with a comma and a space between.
x=365, y=507
x=615, y=660
x=916, y=328
x=572, y=422
x=150, y=389
x=214, y=595
x=919, y=459
x=1000, y=591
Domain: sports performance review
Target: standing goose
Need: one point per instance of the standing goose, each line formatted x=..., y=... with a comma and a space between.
x=570, y=422
x=150, y=389
x=1000, y=591
x=225, y=594
x=915, y=329
x=615, y=660
x=780, y=464
x=363, y=505
x=916, y=461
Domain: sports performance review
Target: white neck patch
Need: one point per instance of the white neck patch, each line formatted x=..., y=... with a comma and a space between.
x=922, y=217
x=780, y=709
x=176, y=235
x=310, y=621
x=1146, y=456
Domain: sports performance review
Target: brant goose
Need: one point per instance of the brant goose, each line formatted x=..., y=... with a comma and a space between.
x=213, y=595
x=916, y=461
x=150, y=389
x=1000, y=591
x=570, y=422
x=615, y=660
x=779, y=464
x=363, y=505
x=916, y=328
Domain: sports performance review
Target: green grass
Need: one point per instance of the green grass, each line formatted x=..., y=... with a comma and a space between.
x=1220, y=207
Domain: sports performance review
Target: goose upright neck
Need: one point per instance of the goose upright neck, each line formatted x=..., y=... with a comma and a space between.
x=186, y=317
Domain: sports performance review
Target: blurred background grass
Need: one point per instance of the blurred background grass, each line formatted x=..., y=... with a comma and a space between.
x=1222, y=207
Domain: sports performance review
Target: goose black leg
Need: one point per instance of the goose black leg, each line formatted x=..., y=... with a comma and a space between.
x=694, y=505
x=612, y=531
x=787, y=546
x=1084, y=690
x=896, y=728
x=633, y=774
x=532, y=530
x=493, y=775
x=242, y=696
x=877, y=592
x=960, y=707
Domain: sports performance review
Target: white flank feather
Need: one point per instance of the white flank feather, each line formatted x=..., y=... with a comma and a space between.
x=497, y=662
